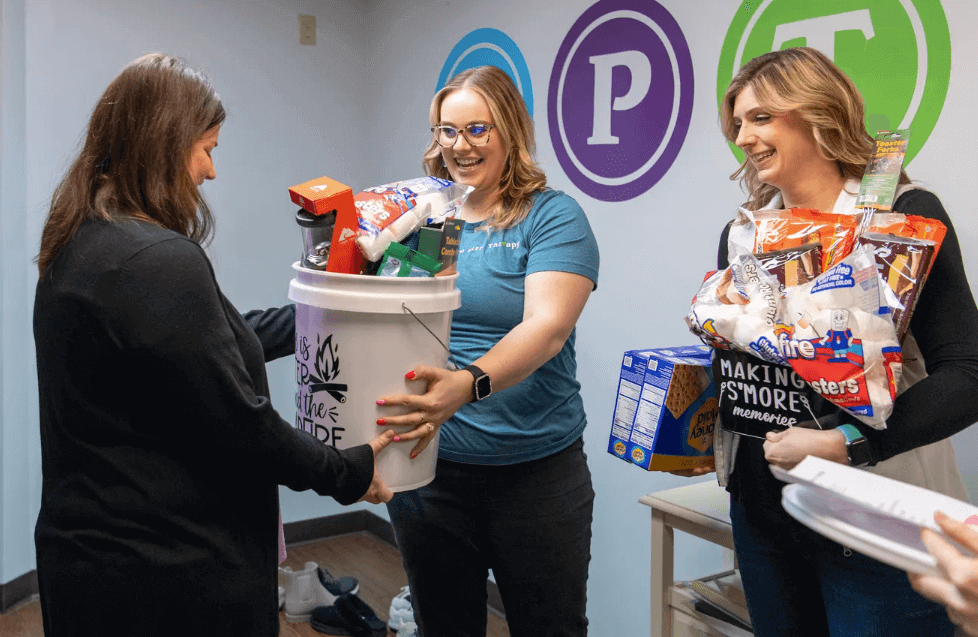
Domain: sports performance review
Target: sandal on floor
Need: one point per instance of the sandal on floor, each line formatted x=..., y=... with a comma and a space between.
x=348, y=618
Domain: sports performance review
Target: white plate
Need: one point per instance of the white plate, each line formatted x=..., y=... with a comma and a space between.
x=878, y=535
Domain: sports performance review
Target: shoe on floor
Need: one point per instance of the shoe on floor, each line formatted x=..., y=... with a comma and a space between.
x=304, y=592
x=401, y=611
x=408, y=629
x=338, y=585
x=350, y=615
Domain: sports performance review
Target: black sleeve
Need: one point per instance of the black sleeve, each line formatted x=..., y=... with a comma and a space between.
x=723, y=259
x=945, y=324
x=168, y=309
x=275, y=329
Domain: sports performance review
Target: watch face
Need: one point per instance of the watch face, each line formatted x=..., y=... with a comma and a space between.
x=483, y=387
x=859, y=454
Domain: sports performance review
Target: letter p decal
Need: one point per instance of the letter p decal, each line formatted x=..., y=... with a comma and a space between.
x=640, y=69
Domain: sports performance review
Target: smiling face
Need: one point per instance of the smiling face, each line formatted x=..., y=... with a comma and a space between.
x=781, y=146
x=200, y=165
x=478, y=166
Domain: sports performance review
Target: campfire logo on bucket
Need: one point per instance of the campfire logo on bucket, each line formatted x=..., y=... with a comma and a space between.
x=898, y=52
x=316, y=397
x=489, y=47
x=621, y=98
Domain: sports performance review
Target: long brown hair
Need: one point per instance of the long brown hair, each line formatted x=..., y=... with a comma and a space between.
x=522, y=178
x=134, y=159
x=804, y=81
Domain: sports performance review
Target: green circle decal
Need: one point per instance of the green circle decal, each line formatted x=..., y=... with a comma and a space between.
x=898, y=52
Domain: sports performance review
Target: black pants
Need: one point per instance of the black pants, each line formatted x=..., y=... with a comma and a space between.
x=529, y=522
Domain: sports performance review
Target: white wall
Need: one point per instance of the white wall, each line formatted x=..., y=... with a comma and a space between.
x=355, y=108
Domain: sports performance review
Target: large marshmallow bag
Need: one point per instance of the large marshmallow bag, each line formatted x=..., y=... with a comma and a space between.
x=838, y=335
x=835, y=332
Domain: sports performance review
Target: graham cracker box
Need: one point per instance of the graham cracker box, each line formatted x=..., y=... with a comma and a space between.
x=670, y=395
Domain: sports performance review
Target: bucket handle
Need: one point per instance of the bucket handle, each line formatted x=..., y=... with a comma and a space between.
x=435, y=336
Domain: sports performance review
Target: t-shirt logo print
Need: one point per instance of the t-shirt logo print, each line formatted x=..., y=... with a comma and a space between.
x=898, y=52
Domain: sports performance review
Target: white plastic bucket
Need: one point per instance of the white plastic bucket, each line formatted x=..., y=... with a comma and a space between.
x=355, y=340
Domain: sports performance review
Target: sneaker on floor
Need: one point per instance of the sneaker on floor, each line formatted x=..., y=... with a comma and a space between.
x=304, y=592
x=338, y=585
x=409, y=629
x=401, y=611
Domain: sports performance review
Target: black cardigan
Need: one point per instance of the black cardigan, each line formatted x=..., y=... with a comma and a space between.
x=161, y=452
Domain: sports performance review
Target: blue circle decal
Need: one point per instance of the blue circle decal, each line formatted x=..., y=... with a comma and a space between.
x=492, y=47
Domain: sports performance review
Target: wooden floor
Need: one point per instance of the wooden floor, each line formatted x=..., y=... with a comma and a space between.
x=361, y=555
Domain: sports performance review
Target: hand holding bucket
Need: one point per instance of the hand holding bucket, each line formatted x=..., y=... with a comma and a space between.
x=378, y=492
x=447, y=391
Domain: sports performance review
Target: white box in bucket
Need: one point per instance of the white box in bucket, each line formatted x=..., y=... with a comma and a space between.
x=355, y=340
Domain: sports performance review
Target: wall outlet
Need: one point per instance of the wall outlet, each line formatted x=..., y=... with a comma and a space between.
x=307, y=30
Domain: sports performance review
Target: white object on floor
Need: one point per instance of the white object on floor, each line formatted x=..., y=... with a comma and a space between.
x=409, y=629
x=401, y=612
x=304, y=592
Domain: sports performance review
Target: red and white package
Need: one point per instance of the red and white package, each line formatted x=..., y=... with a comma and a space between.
x=392, y=211
x=838, y=335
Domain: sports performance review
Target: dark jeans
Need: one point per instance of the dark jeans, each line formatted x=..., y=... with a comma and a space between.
x=798, y=582
x=529, y=522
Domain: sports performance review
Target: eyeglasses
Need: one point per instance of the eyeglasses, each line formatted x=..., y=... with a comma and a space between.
x=474, y=134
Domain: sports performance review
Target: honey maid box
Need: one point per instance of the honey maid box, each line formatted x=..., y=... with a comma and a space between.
x=666, y=408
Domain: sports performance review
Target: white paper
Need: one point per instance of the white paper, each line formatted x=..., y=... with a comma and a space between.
x=877, y=493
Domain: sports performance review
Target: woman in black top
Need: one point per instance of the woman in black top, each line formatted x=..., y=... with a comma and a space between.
x=161, y=453
x=799, y=121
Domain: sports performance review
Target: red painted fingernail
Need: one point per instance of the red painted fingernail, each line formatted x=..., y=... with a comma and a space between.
x=381, y=421
x=380, y=402
x=397, y=438
x=415, y=455
x=410, y=375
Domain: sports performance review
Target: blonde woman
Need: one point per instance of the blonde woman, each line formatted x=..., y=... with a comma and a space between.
x=799, y=121
x=512, y=492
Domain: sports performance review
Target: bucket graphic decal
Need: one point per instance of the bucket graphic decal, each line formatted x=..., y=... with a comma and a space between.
x=316, y=397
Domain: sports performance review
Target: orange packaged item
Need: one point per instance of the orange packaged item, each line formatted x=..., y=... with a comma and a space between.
x=795, y=227
x=325, y=196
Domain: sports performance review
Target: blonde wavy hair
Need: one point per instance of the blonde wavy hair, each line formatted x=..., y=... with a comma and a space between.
x=804, y=81
x=521, y=178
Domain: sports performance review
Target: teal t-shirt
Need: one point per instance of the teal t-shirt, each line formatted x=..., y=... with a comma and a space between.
x=544, y=413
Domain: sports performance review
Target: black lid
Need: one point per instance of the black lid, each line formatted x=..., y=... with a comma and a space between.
x=308, y=220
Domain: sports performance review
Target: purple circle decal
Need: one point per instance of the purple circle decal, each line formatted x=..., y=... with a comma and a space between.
x=621, y=98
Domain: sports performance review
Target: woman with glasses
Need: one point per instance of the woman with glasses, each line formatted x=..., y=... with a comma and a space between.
x=799, y=121
x=512, y=491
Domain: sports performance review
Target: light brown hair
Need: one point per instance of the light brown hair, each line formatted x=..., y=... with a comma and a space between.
x=133, y=162
x=804, y=81
x=522, y=178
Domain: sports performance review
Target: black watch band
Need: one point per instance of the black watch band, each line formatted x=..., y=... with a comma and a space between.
x=481, y=383
x=857, y=447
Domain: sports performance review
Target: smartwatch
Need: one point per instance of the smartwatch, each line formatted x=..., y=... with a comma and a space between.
x=481, y=383
x=857, y=447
